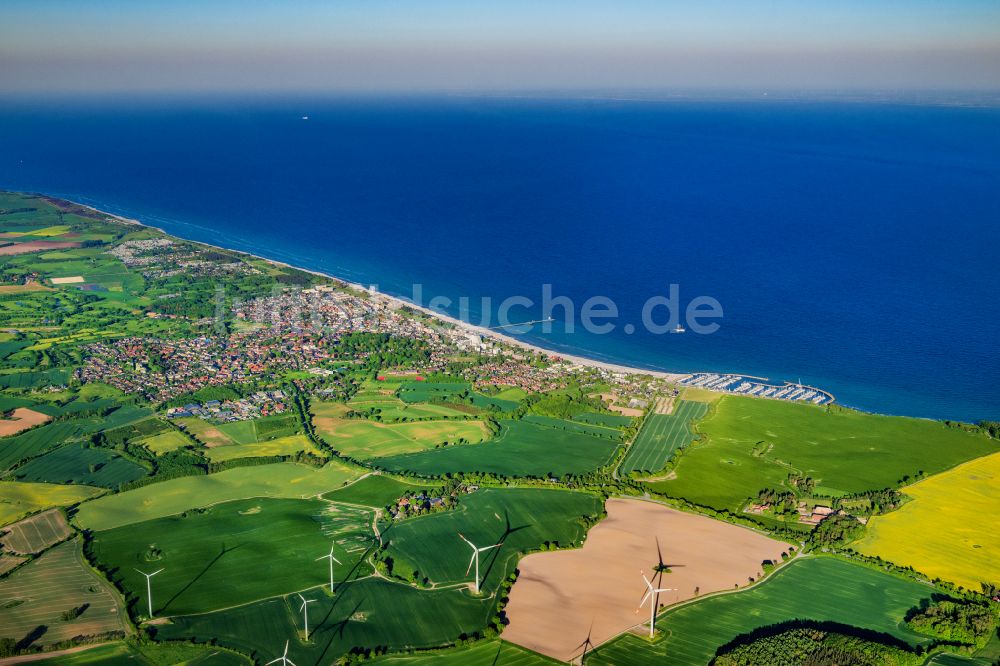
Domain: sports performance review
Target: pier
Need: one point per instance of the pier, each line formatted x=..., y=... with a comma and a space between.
x=759, y=387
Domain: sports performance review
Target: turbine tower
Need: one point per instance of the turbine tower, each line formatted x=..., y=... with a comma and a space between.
x=475, y=557
x=305, y=613
x=332, y=560
x=285, y=661
x=653, y=594
x=149, y=590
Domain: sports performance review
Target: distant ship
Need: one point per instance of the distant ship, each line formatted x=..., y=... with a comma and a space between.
x=679, y=329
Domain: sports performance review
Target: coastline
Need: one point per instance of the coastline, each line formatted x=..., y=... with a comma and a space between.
x=397, y=301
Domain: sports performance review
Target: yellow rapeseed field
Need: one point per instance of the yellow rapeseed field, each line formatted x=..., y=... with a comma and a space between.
x=949, y=529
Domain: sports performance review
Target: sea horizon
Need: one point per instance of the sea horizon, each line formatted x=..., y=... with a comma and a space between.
x=911, y=384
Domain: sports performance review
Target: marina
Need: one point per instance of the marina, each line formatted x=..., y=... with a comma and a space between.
x=759, y=387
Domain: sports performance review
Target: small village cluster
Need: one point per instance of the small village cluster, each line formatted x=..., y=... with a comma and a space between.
x=297, y=330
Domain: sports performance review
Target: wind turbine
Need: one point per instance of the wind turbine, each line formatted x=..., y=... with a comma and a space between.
x=285, y=661
x=332, y=560
x=586, y=644
x=652, y=593
x=475, y=557
x=149, y=590
x=305, y=612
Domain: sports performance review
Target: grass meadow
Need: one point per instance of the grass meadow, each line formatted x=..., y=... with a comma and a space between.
x=661, y=436
x=814, y=588
x=522, y=518
x=750, y=444
x=233, y=553
x=282, y=480
x=955, y=514
x=521, y=449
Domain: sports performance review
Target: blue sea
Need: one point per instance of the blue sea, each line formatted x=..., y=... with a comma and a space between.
x=852, y=245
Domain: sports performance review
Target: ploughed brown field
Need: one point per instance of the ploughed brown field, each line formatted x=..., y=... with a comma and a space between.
x=35, y=246
x=21, y=419
x=561, y=596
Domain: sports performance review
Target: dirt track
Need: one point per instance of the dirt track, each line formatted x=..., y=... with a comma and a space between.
x=560, y=596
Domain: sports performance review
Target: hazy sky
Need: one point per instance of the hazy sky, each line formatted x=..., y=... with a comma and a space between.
x=249, y=45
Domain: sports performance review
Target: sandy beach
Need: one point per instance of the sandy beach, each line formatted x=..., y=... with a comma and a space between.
x=395, y=301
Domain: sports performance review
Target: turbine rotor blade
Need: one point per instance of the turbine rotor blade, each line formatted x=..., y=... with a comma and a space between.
x=469, y=568
x=644, y=597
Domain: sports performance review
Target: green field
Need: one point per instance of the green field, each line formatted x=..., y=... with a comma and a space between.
x=661, y=435
x=494, y=401
x=370, y=612
x=150, y=654
x=242, y=433
x=512, y=394
x=76, y=464
x=166, y=441
x=18, y=499
x=36, y=441
x=606, y=420
x=814, y=588
x=522, y=518
x=233, y=553
x=41, y=378
x=363, y=439
x=750, y=444
x=392, y=413
x=374, y=490
x=287, y=480
x=482, y=653
x=35, y=596
x=428, y=391
x=283, y=446
x=582, y=427
x=521, y=449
